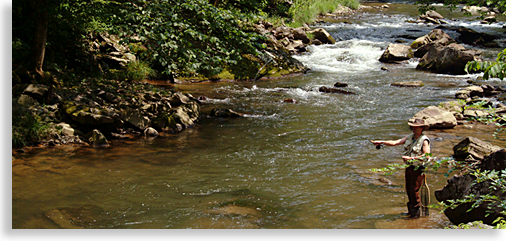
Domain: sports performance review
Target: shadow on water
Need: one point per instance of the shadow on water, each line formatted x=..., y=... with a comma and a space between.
x=285, y=165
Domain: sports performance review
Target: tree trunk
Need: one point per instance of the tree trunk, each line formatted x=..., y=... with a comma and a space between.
x=39, y=8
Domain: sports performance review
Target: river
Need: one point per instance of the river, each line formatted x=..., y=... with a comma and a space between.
x=302, y=165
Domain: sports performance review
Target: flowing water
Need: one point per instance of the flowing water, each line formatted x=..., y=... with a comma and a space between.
x=285, y=165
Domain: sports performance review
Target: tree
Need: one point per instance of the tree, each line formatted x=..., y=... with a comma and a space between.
x=39, y=9
x=54, y=29
x=491, y=69
x=188, y=38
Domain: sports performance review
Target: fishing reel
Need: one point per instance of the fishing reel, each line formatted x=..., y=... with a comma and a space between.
x=379, y=146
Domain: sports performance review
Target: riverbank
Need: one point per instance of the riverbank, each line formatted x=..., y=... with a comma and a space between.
x=43, y=109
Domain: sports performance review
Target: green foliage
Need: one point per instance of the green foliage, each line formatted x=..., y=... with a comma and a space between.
x=491, y=69
x=188, y=38
x=138, y=70
x=27, y=127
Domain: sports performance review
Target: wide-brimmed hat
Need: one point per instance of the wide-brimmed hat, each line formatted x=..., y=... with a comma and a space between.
x=418, y=122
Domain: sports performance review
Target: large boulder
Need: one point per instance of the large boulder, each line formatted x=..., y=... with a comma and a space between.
x=463, y=184
x=436, y=35
x=396, y=53
x=36, y=91
x=473, y=149
x=323, y=36
x=436, y=118
x=449, y=59
x=92, y=116
x=472, y=37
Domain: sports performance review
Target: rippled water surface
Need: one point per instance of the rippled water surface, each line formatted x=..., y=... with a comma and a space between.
x=285, y=165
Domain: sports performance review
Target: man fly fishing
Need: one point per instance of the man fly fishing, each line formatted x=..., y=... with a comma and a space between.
x=416, y=145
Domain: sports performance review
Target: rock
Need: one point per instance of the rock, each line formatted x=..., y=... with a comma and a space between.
x=187, y=114
x=335, y=91
x=178, y=99
x=225, y=113
x=433, y=14
x=93, y=116
x=396, y=53
x=323, y=36
x=409, y=84
x=282, y=32
x=475, y=10
x=470, y=113
x=434, y=37
x=110, y=53
x=289, y=100
x=489, y=20
x=176, y=119
x=436, y=117
x=449, y=59
x=339, y=85
x=300, y=34
x=296, y=46
x=66, y=129
x=26, y=100
x=84, y=216
x=136, y=120
x=98, y=140
x=462, y=185
x=469, y=92
x=471, y=37
x=473, y=149
x=452, y=106
x=37, y=92
x=150, y=132
x=495, y=161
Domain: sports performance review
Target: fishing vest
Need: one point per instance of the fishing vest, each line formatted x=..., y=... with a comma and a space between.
x=414, y=147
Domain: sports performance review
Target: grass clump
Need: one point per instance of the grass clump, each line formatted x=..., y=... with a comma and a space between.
x=138, y=70
x=306, y=11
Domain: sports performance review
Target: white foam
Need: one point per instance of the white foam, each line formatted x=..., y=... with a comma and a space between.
x=344, y=57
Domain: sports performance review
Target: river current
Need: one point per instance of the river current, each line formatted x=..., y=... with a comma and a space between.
x=285, y=165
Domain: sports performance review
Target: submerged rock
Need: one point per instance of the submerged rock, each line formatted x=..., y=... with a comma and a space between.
x=409, y=84
x=98, y=140
x=335, y=91
x=225, y=113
